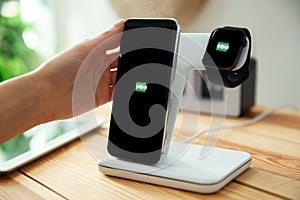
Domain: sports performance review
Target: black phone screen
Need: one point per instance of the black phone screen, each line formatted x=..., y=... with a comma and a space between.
x=140, y=104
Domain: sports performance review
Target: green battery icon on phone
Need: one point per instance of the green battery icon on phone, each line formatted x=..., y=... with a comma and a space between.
x=222, y=46
x=140, y=87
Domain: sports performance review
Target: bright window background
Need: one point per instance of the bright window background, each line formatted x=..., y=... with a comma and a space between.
x=41, y=15
x=274, y=24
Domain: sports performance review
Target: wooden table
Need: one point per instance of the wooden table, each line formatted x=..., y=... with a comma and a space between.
x=71, y=172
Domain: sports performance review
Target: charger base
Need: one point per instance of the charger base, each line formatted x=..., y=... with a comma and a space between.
x=183, y=170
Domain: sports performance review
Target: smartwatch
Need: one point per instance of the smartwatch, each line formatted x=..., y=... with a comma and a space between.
x=222, y=54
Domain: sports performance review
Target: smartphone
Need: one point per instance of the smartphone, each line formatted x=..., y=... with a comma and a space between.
x=147, y=61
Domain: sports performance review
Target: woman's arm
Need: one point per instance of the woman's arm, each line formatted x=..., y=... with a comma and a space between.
x=21, y=106
x=46, y=93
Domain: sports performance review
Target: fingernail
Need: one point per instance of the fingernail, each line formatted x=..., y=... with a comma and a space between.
x=118, y=23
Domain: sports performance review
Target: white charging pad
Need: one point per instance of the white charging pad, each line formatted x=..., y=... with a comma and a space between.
x=187, y=171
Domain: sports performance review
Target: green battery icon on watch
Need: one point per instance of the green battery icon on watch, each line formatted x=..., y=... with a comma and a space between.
x=222, y=46
x=140, y=87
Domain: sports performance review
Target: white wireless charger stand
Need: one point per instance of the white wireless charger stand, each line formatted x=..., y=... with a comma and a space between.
x=187, y=171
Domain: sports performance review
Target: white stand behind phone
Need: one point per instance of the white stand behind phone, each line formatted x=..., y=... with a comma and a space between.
x=188, y=172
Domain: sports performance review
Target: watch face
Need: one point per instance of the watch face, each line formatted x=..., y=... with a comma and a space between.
x=224, y=48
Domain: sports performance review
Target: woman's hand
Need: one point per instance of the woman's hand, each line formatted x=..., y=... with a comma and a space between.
x=47, y=93
x=86, y=63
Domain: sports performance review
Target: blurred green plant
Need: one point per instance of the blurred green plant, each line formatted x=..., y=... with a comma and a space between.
x=15, y=57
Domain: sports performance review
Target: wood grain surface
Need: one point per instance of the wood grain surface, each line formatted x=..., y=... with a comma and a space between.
x=71, y=172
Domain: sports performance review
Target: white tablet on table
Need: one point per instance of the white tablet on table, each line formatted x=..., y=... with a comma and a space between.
x=41, y=140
